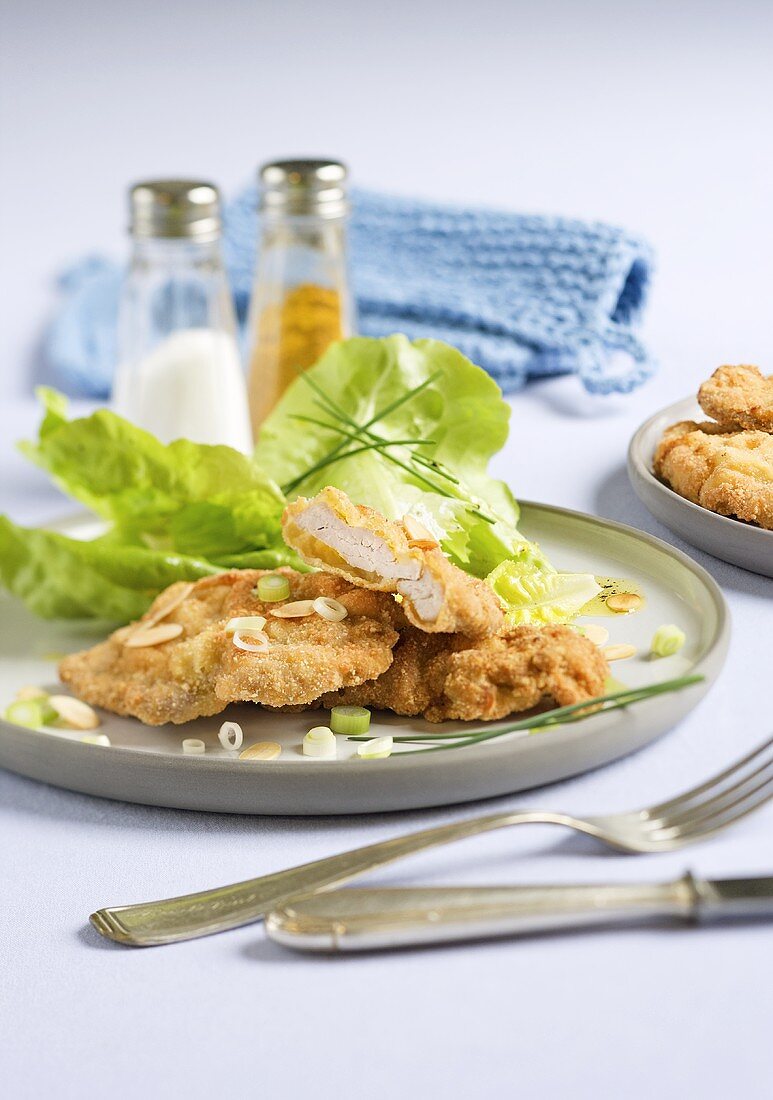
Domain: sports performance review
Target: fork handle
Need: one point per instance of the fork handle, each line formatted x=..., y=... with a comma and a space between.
x=367, y=920
x=184, y=918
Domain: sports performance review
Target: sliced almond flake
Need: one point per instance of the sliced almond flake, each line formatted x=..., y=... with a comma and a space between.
x=166, y=607
x=262, y=750
x=77, y=714
x=418, y=533
x=154, y=635
x=619, y=652
x=621, y=602
x=599, y=635
x=299, y=609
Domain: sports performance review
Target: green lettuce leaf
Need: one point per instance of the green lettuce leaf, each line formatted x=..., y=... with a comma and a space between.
x=64, y=578
x=541, y=597
x=195, y=499
x=459, y=417
x=176, y=512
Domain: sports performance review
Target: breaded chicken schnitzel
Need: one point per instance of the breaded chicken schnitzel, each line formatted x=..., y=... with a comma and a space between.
x=201, y=671
x=739, y=397
x=331, y=532
x=456, y=677
x=729, y=472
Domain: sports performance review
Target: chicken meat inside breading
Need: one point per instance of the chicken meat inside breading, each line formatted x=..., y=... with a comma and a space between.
x=331, y=532
x=739, y=397
x=451, y=676
x=201, y=671
x=728, y=472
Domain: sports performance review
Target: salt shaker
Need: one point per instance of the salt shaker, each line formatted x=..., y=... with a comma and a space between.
x=179, y=371
x=301, y=300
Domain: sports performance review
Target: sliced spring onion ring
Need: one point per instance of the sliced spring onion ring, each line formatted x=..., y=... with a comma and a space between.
x=30, y=692
x=297, y=610
x=32, y=713
x=330, y=609
x=350, y=720
x=96, y=739
x=320, y=742
x=247, y=623
x=193, y=746
x=231, y=735
x=273, y=588
x=377, y=749
x=667, y=640
x=258, y=643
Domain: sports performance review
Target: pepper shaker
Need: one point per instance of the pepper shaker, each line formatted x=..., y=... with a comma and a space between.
x=301, y=300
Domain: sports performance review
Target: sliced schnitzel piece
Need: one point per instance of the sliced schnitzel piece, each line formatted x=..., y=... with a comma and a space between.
x=331, y=532
x=739, y=397
x=455, y=677
x=728, y=472
x=200, y=671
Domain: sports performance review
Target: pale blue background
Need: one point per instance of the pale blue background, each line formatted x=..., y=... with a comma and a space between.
x=644, y=112
x=655, y=115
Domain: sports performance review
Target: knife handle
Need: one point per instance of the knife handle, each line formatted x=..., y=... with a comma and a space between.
x=363, y=920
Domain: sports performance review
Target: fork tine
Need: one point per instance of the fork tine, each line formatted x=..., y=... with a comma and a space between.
x=682, y=839
x=707, y=825
x=715, y=782
x=724, y=799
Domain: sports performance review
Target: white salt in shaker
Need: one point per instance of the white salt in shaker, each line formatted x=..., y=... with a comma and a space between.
x=179, y=371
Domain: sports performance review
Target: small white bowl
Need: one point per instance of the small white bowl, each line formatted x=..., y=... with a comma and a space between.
x=729, y=539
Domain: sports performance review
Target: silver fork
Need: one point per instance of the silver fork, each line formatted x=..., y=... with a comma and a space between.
x=695, y=815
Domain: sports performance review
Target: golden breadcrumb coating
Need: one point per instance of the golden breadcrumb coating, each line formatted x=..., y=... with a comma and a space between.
x=454, y=677
x=201, y=671
x=331, y=532
x=739, y=397
x=729, y=472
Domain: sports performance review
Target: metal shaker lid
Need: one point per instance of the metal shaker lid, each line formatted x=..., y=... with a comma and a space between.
x=304, y=187
x=175, y=208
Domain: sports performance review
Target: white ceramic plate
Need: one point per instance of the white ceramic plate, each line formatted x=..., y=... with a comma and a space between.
x=729, y=539
x=146, y=764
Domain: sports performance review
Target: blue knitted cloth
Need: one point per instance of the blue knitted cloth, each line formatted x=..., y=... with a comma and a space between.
x=521, y=295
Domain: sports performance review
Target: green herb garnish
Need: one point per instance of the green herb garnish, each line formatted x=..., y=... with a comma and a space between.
x=558, y=716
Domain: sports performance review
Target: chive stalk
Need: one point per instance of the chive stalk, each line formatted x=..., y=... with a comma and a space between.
x=550, y=718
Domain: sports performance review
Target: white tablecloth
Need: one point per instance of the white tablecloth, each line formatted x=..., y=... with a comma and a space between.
x=570, y=1015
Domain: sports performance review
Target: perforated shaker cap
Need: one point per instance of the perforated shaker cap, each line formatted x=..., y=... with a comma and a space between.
x=175, y=208
x=304, y=187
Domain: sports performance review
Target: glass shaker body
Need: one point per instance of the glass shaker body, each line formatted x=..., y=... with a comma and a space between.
x=180, y=373
x=301, y=301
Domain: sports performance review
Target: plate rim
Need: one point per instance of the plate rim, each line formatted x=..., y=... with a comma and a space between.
x=639, y=465
x=709, y=664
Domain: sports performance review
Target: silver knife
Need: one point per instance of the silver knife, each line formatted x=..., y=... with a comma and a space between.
x=366, y=920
